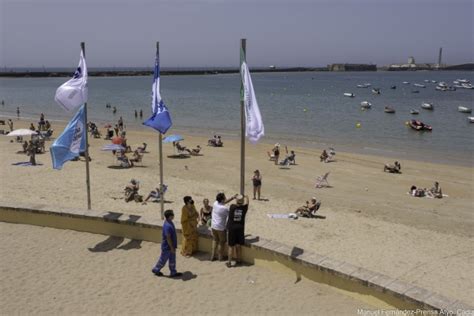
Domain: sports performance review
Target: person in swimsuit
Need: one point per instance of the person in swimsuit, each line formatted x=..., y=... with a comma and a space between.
x=257, y=184
x=205, y=214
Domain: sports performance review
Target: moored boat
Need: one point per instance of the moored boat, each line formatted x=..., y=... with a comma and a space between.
x=419, y=85
x=414, y=112
x=470, y=119
x=350, y=95
x=389, y=109
x=362, y=86
x=427, y=106
x=420, y=126
x=406, y=82
x=467, y=86
x=365, y=105
x=464, y=109
x=375, y=91
x=393, y=87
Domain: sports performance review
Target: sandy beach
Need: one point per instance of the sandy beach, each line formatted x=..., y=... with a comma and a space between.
x=371, y=221
x=47, y=271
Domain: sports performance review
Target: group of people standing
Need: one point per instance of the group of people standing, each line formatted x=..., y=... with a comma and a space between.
x=227, y=226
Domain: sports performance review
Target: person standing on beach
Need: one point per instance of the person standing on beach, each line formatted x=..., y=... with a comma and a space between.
x=120, y=123
x=141, y=113
x=236, y=229
x=18, y=112
x=136, y=114
x=257, y=183
x=169, y=243
x=116, y=129
x=189, y=222
x=220, y=212
x=10, y=124
x=276, y=153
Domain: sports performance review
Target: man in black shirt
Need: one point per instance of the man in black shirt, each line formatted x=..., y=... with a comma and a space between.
x=236, y=228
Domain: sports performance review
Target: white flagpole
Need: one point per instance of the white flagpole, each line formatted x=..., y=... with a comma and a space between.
x=243, y=51
x=88, y=182
x=160, y=153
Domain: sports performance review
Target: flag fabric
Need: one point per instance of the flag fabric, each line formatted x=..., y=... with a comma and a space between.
x=73, y=93
x=254, y=124
x=160, y=119
x=71, y=142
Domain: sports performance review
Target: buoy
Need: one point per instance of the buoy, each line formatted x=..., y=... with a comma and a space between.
x=358, y=125
x=304, y=110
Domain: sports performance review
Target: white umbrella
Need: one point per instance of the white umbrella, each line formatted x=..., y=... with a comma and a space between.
x=22, y=132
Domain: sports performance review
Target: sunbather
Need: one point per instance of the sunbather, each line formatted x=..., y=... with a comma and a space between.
x=435, y=192
x=289, y=159
x=131, y=191
x=142, y=149
x=395, y=168
x=136, y=157
x=156, y=194
x=194, y=151
x=205, y=214
x=417, y=192
x=324, y=156
x=310, y=209
x=124, y=161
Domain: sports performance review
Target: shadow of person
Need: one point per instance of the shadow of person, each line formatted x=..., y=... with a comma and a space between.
x=110, y=243
x=187, y=275
x=132, y=244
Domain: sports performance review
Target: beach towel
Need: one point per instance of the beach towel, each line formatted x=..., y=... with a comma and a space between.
x=283, y=216
x=26, y=164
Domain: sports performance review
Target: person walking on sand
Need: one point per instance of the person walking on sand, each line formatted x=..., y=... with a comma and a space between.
x=220, y=212
x=236, y=229
x=189, y=222
x=169, y=243
x=257, y=183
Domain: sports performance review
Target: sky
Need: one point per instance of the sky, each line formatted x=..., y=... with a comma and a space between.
x=207, y=33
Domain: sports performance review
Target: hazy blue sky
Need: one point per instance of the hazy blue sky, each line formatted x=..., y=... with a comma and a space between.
x=207, y=32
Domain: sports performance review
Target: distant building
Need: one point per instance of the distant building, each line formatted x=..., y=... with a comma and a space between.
x=352, y=67
x=411, y=65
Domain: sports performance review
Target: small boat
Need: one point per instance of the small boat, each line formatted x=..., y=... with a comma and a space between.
x=365, y=105
x=420, y=126
x=467, y=86
x=464, y=109
x=362, y=86
x=427, y=106
x=350, y=95
x=458, y=86
x=389, y=109
x=367, y=84
x=456, y=82
x=414, y=112
x=439, y=88
x=415, y=91
x=419, y=85
x=375, y=91
x=434, y=81
x=393, y=87
x=406, y=82
x=463, y=81
x=428, y=81
x=470, y=119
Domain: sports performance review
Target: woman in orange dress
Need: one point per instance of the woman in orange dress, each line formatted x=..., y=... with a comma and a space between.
x=189, y=222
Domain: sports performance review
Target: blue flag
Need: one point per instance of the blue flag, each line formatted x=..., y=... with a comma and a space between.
x=71, y=142
x=160, y=118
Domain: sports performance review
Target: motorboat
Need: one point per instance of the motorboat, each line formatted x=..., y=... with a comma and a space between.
x=415, y=91
x=419, y=126
x=470, y=119
x=442, y=84
x=463, y=81
x=427, y=81
x=434, y=81
x=393, y=87
x=464, y=109
x=362, y=85
x=456, y=82
x=467, y=86
x=350, y=95
x=365, y=105
x=406, y=82
x=389, y=109
x=375, y=91
x=414, y=112
x=427, y=106
x=419, y=85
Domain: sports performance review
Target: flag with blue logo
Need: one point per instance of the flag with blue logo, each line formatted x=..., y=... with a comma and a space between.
x=71, y=142
x=73, y=93
x=160, y=118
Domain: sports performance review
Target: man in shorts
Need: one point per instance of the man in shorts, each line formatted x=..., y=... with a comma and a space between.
x=220, y=213
x=236, y=229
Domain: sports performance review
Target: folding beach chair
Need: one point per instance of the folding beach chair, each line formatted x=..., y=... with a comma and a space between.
x=322, y=181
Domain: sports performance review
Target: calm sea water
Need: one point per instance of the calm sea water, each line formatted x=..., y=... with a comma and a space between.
x=307, y=109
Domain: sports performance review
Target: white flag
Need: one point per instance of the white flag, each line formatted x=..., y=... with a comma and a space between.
x=73, y=93
x=254, y=123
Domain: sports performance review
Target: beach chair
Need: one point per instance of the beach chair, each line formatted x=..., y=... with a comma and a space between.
x=156, y=195
x=271, y=156
x=322, y=181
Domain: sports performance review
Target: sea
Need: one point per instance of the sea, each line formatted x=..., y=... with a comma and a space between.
x=306, y=109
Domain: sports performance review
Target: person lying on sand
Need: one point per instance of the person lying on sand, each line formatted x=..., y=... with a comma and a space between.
x=417, y=192
x=142, y=149
x=309, y=210
x=136, y=157
x=156, y=194
x=395, y=168
x=194, y=151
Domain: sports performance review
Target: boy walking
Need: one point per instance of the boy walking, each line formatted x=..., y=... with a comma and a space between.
x=169, y=244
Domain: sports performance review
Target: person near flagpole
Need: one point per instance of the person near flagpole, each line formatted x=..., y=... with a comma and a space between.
x=189, y=222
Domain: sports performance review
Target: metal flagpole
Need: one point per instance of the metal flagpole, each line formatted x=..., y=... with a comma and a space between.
x=243, y=51
x=88, y=181
x=160, y=153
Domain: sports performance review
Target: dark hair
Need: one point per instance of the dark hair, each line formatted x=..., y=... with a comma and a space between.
x=168, y=214
x=413, y=188
x=187, y=198
x=220, y=197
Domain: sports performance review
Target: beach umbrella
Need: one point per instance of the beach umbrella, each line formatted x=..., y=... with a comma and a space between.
x=22, y=132
x=173, y=138
x=112, y=147
x=117, y=140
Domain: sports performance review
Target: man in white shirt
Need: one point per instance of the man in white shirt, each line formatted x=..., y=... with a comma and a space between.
x=220, y=212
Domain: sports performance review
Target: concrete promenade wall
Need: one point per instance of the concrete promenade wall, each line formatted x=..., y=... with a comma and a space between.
x=371, y=287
